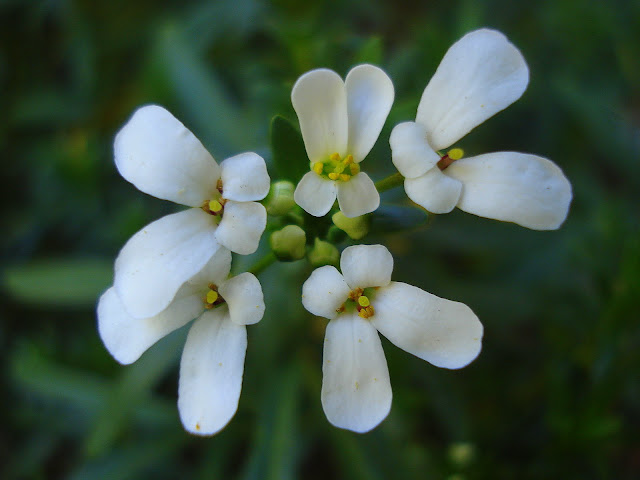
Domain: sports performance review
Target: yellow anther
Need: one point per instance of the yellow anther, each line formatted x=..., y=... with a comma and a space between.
x=344, y=177
x=215, y=206
x=317, y=167
x=364, y=301
x=366, y=312
x=212, y=296
x=455, y=153
x=339, y=168
x=334, y=175
x=348, y=159
x=334, y=157
x=355, y=168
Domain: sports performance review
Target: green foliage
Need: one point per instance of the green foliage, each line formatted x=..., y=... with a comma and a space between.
x=289, y=155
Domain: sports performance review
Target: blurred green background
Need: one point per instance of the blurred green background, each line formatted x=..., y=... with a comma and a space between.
x=555, y=392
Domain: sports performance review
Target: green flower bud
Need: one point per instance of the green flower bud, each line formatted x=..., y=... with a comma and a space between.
x=323, y=253
x=280, y=200
x=289, y=244
x=461, y=453
x=356, y=227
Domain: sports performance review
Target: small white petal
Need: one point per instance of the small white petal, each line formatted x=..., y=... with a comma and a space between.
x=243, y=295
x=481, y=74
x=434, y=191
x=366, y=266
x=211, y=372
x=161, y=157
x=241, y=226
x=410, y=152
x=369, y=99
x=245, y=177
x=320, y=100
x=127, y=338
x=215, y=271
x=446, y=334
x=356, y=391
x=157, y=260
x=513, y=187
x=324, y=292
x=315, y=194
x=358, y=196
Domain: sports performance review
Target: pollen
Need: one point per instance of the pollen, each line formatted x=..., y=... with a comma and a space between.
x=366, y=312
x=334, y=157
x=348, y=160
x=455, y=153
x=363, y=301
x=354, y=168
x=344, y=177
x=317, y=167
x=334, y=175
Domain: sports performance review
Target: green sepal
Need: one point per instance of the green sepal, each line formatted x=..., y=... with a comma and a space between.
x=287, y=147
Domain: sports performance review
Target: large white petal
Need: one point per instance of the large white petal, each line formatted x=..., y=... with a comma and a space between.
x=434, y=191
x=157, y=260
x=215, y=271
x=161, y=157
x=358, y=196
x=127, y=338
x=410, y=152
x=245, y=177
x=211, y=372
x=320, y=100
x=514, y=187
x=324, y=292
x=315, y=194
x=366, y=266
x=481, y=74
x=356, y=391
x=369, y=99
x=241, y=226
x=442, y=332
x=244, y=297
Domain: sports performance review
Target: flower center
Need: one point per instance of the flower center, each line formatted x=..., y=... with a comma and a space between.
x=451, y=156
x=337, y=168
x=359, y=301
x=212, y=299
x=215, y=206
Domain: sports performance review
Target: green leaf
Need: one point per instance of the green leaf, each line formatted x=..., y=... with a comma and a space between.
x=289, y=155
x=370, y=51
x=61, y=282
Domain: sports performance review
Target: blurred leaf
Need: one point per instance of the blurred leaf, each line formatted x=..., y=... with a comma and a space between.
x=395, y=218
x=289, y=155
x=370, y=52
x=71, y=282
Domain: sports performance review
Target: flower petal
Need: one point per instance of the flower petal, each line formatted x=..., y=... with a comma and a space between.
x=243, y=295
x=514, y=187
x=481, y=74
x=434, y=191
x=356, y=391
x=127, y=338
x=241, y=226
x=358, y=196
x=161, y=157
x=245, y=177
x=410, y=152
x=324, y=292
x=320, y=100
x=446, y=334
x=315, y=194
x=211, y=372
x=157, y=260
x=366, y=266
x=369, y=99
x=215, y=271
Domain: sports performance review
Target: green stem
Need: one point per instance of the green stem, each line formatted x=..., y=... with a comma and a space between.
x=392, y=181
x=258, y=267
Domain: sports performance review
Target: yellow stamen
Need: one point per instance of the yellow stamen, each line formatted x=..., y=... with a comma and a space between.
x=355, y=168
x=339, y=168
x=212, y=296
x=366, y=312
x=455, y=153
x=364, y=301
x=333, y=176
x=344, y=177
x=348, y=159
x=215, y=206
x=334, y=157
x=317, y=167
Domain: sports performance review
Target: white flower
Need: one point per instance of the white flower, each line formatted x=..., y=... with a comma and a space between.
x=213, y=358
x=156, y=153
x=356, y=392
x=480, y=75
x=340, y=123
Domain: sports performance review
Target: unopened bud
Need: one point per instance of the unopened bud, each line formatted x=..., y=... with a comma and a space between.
x=356, y=227
x=323, y=253
x=280, y=200
x=289, y=244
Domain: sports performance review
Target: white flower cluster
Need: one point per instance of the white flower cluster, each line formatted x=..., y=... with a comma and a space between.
x=177, y=268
